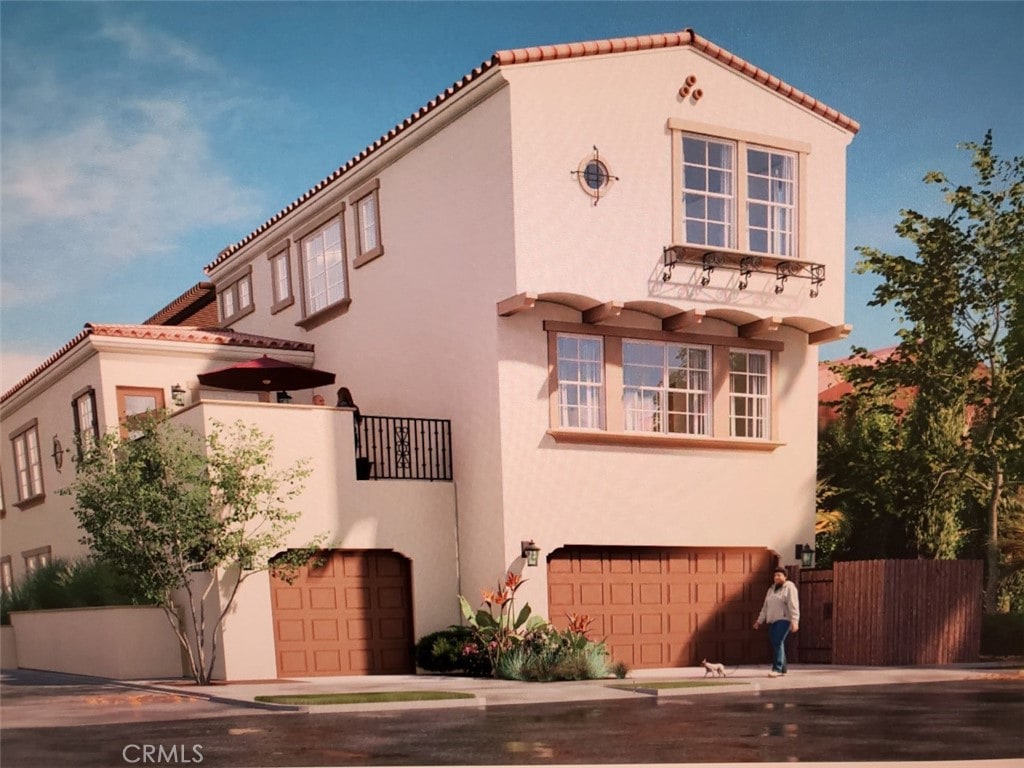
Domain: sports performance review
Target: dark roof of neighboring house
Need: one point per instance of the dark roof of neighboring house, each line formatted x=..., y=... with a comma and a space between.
x=686, y=37
x=198, y=304
x=175, y=333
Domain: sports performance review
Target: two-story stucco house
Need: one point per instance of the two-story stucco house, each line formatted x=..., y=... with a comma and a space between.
x=579, y=294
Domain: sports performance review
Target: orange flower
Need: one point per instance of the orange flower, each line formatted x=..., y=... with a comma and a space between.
x=490, y=597
x=513, y=580
x=579, y=623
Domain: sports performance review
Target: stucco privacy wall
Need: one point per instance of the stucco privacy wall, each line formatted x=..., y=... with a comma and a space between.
x=122, y=642
x=621, y=103
x=419, y=338
x=413, y=518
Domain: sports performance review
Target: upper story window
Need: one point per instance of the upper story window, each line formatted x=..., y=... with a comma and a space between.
x=28, y=466
x=666, y=387
x=133, y=403
x=580, y=381
x=6, y=575
x=366, y=202
x=87, y=427
x=630, y=386
x=281, y=280
x=236, y=299
x=749, y=397
x=736, y=192
x=37, y=558
x=323, y=264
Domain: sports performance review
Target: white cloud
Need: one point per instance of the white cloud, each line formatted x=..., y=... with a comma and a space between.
x=153, y=46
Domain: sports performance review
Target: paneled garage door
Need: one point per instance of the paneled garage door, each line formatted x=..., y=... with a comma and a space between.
x=350, y=616
x=665, y=607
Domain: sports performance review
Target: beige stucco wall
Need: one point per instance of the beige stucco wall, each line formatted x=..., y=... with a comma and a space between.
x=121, y=642
x=8, y=648
x=413, y=518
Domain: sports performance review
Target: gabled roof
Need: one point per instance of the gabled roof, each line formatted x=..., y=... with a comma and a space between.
x=173, y=333
x=198, y=304
x=513, y=57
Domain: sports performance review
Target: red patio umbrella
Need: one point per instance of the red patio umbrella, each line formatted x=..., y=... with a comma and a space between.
x=266, y=374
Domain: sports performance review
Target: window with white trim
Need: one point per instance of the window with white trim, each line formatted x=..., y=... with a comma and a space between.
x=281, y=281
x=37, y=558
x=323, y=264
x=580, y=365
x=87, y=428
x=236, y=299
x=666, y=387
x=749, y=395
x=713, y=197
x=366, y=204
x=28, y=467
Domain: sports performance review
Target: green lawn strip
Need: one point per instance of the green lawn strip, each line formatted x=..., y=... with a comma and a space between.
x=379, y=697
x=654, y=685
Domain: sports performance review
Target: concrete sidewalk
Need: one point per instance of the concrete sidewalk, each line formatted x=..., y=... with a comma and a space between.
x=488, y=692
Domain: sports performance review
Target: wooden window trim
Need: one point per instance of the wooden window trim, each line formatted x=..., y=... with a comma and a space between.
x=232, y=288
x=94, y=427
x=36, y=498
x=126, y=391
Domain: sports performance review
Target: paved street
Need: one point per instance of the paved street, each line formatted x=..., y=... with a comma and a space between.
x=105, y=725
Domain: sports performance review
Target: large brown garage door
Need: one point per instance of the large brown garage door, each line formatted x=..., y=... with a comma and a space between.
x=665, y=607
x=352, y=615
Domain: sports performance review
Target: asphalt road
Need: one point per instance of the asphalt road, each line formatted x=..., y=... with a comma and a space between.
x=101, y=725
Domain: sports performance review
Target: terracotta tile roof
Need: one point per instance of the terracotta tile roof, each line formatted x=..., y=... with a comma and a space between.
x=687, y=37
x=191, y=303
x=179, y=333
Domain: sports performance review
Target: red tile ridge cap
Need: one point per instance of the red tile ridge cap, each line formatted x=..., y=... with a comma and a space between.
x=551, y=53
x=183, y=333
x=197, y=292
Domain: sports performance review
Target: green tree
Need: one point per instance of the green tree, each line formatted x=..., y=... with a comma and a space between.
x=958, y=301
x=184, y=515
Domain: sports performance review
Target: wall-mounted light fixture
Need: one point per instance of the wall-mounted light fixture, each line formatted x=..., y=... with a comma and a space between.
x=283, y=397
x=530, y=551
x=178, y=395
x=805, y=554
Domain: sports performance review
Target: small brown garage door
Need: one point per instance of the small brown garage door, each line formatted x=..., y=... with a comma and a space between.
x=350, y=616
x=665, y=607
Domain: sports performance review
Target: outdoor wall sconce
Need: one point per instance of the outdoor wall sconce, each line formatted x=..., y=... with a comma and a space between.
x=805, y=554
x=178, y=395
x=530, y=551
x=283, y=397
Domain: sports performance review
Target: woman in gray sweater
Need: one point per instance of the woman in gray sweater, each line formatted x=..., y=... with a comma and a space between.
x=781, y=612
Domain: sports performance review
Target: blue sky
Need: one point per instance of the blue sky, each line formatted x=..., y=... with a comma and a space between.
x=139, y=139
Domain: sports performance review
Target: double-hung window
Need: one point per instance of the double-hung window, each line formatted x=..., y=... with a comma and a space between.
x=736, y=193
x=366, y=203
x=281, y=280
x=749, y=396
x=37, y=558
x=580, y=381
x=666, y=387
x=6, y=575
x=87, y=428
x=28, y=466
x=323, y=264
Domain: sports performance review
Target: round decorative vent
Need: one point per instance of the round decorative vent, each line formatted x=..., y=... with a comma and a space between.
x=593, y=175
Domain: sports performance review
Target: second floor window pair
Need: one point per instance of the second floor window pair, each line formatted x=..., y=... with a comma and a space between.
x=716, y=190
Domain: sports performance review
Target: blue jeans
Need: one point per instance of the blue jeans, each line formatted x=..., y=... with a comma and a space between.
x=778, y=631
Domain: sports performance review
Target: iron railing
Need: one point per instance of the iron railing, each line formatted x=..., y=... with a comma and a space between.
x=399, y=448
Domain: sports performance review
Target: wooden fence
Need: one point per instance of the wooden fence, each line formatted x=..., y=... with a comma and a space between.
x=891, y=612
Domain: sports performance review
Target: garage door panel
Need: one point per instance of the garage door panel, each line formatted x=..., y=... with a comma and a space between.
x=344, y=617
x=664, y=606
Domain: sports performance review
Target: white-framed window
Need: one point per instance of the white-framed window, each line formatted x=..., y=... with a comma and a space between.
x=236, y=298
x=365, y=202
x=28, y=466
x=37, y=558
x=709, y=202
x=749, y=394
x=580, y=363
x=666, y=387
x=323, y=264
x=737, y=194
x=6, y=575
x=281, y=280
x=87, y=428
x=771, y=201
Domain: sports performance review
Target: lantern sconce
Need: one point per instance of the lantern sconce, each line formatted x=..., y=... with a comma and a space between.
x=805, y=554
x=283, y=397
x=530, y=552
x=178, y=395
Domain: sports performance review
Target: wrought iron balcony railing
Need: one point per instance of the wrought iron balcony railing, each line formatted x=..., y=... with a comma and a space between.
x=399, y=448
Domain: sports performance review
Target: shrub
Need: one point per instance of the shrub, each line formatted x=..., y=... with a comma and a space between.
x=61, y=584
x=452, y=650
x=545, y=654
